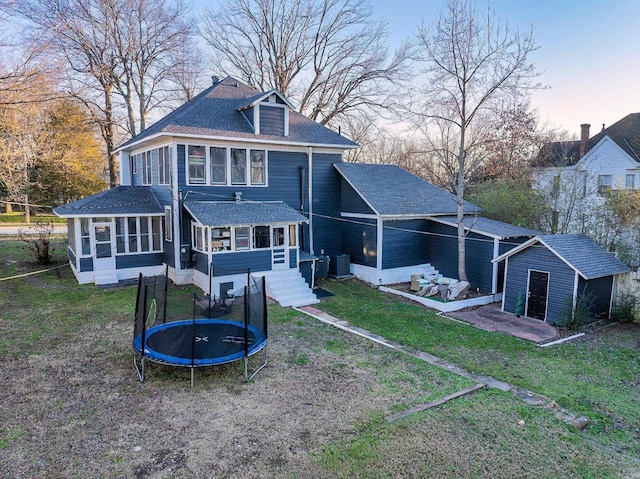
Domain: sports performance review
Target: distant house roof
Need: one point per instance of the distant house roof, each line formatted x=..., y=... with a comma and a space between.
x=118, y=201
x=218, y=213
x=578, y=251
x=392, y=191
x=625, y=133
x=217, y=112
x=489, y=227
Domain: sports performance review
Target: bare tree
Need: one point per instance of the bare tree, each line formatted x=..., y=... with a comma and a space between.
x=121, y=55
x=329, y=56
x=471, y=62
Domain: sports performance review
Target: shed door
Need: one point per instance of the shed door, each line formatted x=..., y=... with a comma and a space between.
x=537, y=294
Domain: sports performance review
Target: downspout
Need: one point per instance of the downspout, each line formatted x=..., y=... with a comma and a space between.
x=494, y=273
x=310, y=197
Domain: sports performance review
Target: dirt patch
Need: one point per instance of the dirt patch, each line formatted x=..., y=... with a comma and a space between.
x=79, y=411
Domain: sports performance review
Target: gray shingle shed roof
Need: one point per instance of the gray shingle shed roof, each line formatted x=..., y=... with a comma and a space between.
x=217, y=213
x=216, y=112
x=392, y=191
x=578, y=251
x=489, y=227
x=118, y=201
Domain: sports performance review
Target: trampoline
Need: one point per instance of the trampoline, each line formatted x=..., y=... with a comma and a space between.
x=161, y=337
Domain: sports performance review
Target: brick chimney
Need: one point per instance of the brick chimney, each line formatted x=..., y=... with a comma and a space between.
x=584, y=138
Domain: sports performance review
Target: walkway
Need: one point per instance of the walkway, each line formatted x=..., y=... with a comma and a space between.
x=528, y=396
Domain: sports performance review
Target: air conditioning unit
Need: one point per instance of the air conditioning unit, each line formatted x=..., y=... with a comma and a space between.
x=339, y=265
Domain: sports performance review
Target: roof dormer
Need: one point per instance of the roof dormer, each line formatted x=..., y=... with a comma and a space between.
x=268, y=114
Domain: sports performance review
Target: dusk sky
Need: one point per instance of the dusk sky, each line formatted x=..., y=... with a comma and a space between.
x=589, y=53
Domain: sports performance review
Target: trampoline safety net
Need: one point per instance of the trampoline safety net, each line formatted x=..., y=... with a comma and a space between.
x=175, y=326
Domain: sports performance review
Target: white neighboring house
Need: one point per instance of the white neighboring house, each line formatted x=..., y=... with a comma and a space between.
x=576, y=175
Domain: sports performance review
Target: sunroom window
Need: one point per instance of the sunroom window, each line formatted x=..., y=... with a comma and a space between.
x=261, y=236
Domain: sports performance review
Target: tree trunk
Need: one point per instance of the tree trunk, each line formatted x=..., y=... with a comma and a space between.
x=109, y=135
x=462, y=267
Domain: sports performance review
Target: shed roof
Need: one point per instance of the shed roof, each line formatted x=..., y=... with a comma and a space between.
x=217, y=112
x=578, y=251
x=392, y=191
x=218, y=213
x=488, y=227
x=118, y=201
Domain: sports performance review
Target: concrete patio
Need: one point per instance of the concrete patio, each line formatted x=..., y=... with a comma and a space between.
x=491, y=318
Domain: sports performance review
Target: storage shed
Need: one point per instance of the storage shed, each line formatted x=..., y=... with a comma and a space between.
x=549, y=271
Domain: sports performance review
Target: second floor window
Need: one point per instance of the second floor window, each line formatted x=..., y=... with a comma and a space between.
x=238, y=166
x=218, y=158
x=146, y=168
x=224, y=166
x=196, y=165
x=164, y=165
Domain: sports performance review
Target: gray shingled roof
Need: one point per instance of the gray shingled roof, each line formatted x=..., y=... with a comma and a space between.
x=490, y=227
x=577, y=250
x=217, y=213
x=585, y=255
x=625, y=133
x=216, y=112
x=118, y=201
x=390, y=190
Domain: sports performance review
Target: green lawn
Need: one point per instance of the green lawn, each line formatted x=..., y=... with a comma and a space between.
x=599, y=378
x=67, y=355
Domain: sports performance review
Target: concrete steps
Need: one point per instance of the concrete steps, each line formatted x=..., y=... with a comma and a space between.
x=289, y=288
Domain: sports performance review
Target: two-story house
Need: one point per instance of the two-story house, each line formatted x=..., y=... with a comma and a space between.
x=236, y=180
x=576, y=175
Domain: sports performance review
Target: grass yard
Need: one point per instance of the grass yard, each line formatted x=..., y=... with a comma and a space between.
x=71, y=404
x=597, y=376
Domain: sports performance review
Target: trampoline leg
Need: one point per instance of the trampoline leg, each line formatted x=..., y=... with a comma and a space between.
x=246, y=367
x=139, y=370
x=192, y=377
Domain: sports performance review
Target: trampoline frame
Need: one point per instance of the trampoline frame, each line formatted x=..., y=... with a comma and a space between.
x=143, y=352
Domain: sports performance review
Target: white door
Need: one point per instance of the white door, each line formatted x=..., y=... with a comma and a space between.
x=104, y=247
x=279, y=250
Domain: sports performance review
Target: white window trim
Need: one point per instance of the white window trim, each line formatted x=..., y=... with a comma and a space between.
x=207, y=166
x=168, y=224
x=271, y=102
x=207, y=236
x=166, y=160
x=147, y=168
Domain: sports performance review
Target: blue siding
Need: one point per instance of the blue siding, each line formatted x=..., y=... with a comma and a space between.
x=478, y=256
x=234, y=263
x=271, y=120
x=404, y=243
x=72, y=256
x=199, y=262
x=86, y=264
x=293, y=258
x=600, y=289
x=181, y=152
x=326, y=204
x=138, y=260
x=444, y=249
x=306, y=269
x=359, y=241
x=352, y=202
x=561, y=280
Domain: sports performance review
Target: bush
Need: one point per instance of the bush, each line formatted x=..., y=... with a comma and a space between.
x=38, y=239
x=624, y=309
x=578, y=315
